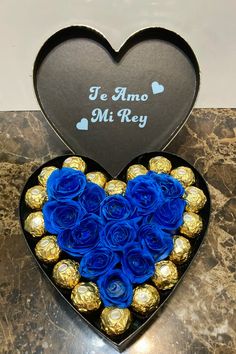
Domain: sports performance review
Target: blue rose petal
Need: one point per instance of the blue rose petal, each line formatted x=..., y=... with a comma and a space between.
x=59, y=216
x=116, y=207
x=171, y=187
x=115, y=289
x=65, y=183
x=82, y=238
x=159, y=243
x=67, y=243
x=117, y=235
x=137, y=263
x=92, y=197
x=169, y=216
x=97, y=262
x=143, y=194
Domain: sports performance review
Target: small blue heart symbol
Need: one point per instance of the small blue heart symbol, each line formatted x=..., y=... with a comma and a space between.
x=157, y=88
x=82, y=124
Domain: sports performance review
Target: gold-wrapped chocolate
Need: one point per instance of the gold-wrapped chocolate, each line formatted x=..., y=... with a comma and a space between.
x=97, y=177
x=47, y=249
x=184, y=174
x=75, y=162
x=115, y=321
x=181, y=250
x=44, y=175
x=115, y=186
x=195, y=199
x=135, y=171
x=66, y=274
x=34, y=224
x=192, y=225
x=35, y=197
x=145, y=299
x=160, y=164
x=85, y=297
x=166, y=275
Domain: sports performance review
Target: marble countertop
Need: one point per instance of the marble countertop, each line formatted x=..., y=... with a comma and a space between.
x=199, y=318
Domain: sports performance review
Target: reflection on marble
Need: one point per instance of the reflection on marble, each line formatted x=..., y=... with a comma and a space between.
x=199, y=318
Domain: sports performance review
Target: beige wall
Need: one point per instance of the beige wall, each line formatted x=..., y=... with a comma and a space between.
x=208, y=25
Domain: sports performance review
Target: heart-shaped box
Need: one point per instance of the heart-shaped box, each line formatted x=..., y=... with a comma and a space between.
x=111, y=106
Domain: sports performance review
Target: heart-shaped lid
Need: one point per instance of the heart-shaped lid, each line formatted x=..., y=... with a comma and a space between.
x=113, y=105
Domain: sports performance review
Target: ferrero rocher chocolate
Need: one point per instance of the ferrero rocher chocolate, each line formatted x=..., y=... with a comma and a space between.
x=75, y=162
x=44, y=175
x=135, y=171
x=115, y=186
x=85, y=297
x=195, y=199
x=183, y=174
x=66, y=274
x=166, y=275
x=115, y=321
x=192, y=225
x=35, y=197
x=47, y=249
x=160, y=164
x=181, y=250
x=34, y=224
x=145, y=299
x=96, y=177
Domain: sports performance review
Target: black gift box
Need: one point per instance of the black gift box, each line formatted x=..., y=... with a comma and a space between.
x=110, y=107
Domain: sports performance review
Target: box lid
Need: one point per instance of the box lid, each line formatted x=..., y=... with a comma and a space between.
x=114, y=105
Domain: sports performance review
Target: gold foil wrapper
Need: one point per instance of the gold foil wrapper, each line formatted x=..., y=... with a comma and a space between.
x=97, y=177
x=166, y=275
x=135, y=171
x=75, y=162
x=115, y=321
x=35, y=197
x=184, y=175
x=192, y=225
x=85, y=297
x=195, y=199
x=181, y=250
x=44, y=175
x=47, y=249
x=34, y=224
x=65, y=274
x=160, y=164
x=145, y=299
x=115, y=186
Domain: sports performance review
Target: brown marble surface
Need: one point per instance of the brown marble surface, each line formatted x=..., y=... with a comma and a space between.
x=199, y=318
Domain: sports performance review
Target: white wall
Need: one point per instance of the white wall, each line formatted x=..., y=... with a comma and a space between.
x=208, y=25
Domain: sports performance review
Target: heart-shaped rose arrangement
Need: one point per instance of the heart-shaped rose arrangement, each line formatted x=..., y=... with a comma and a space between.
x=116, y=246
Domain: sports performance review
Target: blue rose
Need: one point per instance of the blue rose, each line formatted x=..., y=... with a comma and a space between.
x=68, y=243
x=59, y=216
x=92, y=197
x=171, y=187
x=169, y=215
x=97, y=262
x=82, y=238
x=116, y=235
x=115, y=207
x=144, y=194
x=115, y=289
x=158, y=242
x=137, y=263
x=65, y=183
